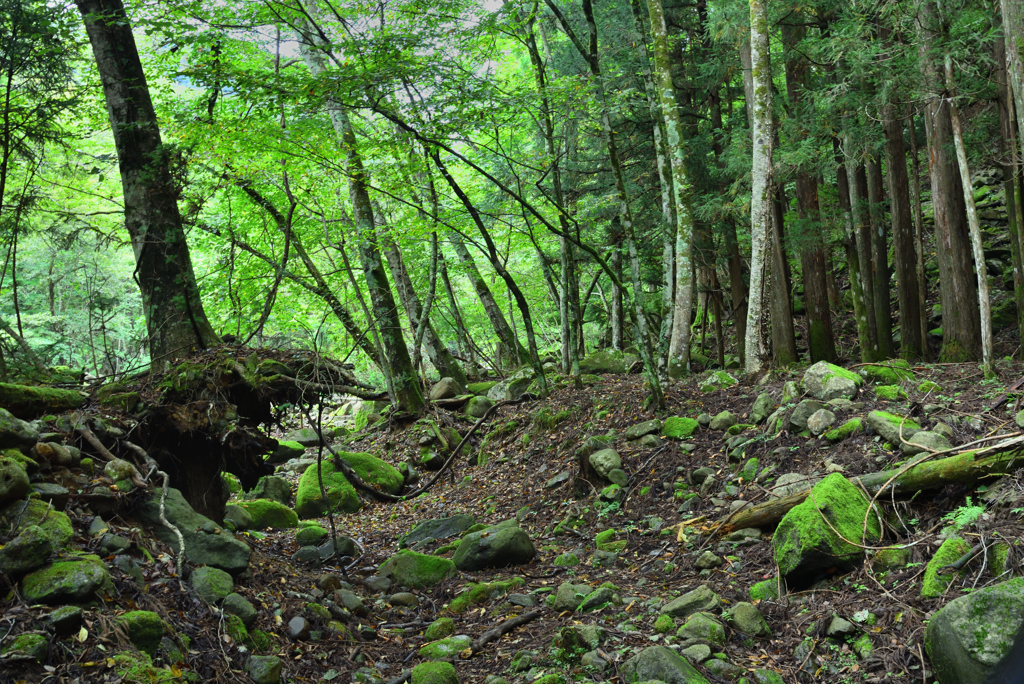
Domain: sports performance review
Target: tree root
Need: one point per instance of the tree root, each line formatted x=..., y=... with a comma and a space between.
x=503, y=629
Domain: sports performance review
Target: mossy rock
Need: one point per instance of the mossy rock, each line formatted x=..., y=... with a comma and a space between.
x=664, y=624
x=138, y=668
x=446, y=648
x=434, y=673
x=929, y=386
x=848, y=429
x=31, y=402
x=765, y=589
x=14, y=483
x=889, y=393
x=483, y=592
x=340, y=492
x=55, y=524
x=607, y=361
x=888, y=373
x=145, y=630
x=677, y=427
x=410, y=569
x=311, y=535
x=439, y=629
x=266, y=513
x=76, y=579
x=605, y=541
x=124, y=401
x=234, y=486
x=891, y=558
x=566, y=560
x=34, y=646
x=480, y=388
x=934, y=585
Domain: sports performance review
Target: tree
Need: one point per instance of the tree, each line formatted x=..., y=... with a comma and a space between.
x=175, y=318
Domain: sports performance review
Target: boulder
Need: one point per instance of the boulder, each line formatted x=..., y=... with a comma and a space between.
x=145, y=630
x=661, y=664
x=76, y=579
x=307, y=437
x=410, y=569
x=446, y=648
x=605, y=461
x=513, y=387
x=436, y=528
x=285, y=451
x=494, y=548
x=212, y=584
x=648, y=427
x=446, y=388
x=205, y=542
x=746, y=618
x=26, y=647
x=723, y=421
x=477, y=406
x=272, y=487
x=890, y=426
x=236, y=604
x=818, y=377
x=763, y=406
x=53, y=494
x=264, y=669
x=569, y=596
x=703, y=627
x=677, y=427
x=237, y=517
x=804, y=410
x=14, y=482
x=15, y=433
x=341, y=494
x=820, y=421
x=436, y=672
x=925, y=441
x=266, y=513
x=806, y=545
x=31, y=549
x=607, y=361
x=311, y=535
x=790, y=392
x=55, y=524
x=701, y=599
x=970, y=635
x=717, y=380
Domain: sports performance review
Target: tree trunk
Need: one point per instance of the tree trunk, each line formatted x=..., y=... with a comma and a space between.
x=905, y=255
x=462, y=335
x=879, y=256
x=852, y=256
x=1013, y=33
x=1008, y=154
x=175, y=319
x=922, y=292
x=961, y=326
x=784, y=350
x=859, y=205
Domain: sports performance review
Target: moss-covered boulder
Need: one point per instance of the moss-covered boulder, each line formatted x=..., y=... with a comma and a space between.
x=264, y=669
x=891, y=426
x=23, y=514
x=824, y=531
x=436, y=528
x=970, y=635
x=434, y=673
x=934, y=583
x=32, y=402
x=285, y=451
x=213, y=584
x=607, y=361
x=311, y=535
x=75, y=579
x=678, y=427
x=717, y=380
x=31, y=549
x=15, y=433
x=410, y=569
x=477, y=406
x=889, y=393
x=439, y=629
x=483, y=592
x=145, y=630
x=13, y=480
x=481, y=388
x=272, y=487
x=266, y=513
x=890, y=372
x=340, y=492
x=446, y=648
x=661, y=664
x=494, y=548
x=135, y=667
x=26, y=647
x=846, y=430
x=827, y=381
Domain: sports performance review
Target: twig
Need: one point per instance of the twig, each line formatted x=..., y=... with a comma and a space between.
x=166, y=523
x=402, y=678
x=502, y=629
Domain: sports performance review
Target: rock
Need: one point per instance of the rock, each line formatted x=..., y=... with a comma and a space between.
x=701, y=599
x=76, y=579
x=266, y=513
x=805, y=544
x=340, y=493
x=439, y=629
x=763, y=406
x=15, y=433
x=446, y=648
x=661, y=664
x=145, y=630
x=436, y=528
x=524, y=600
x=818, y=381
x=791, y=483
x=723, y=669
x=512, y=387
x=238, y=517
x=839, y=628
x=604, y=461
x=236, y=604
x=212, y=584
x=648, y=427
x=491, y=548
x=935, y=584
x=264, y=669
x=285, y=451
x=790, y=392
x=26, y=647
x=129, y=567
x=618, y=476
x=717, y=380
x=480, y=388
x=747, y=619
x=434, y=673
x=14, y=482
x=704, y=628
x=446, y=388
x=569, y=596
x=55, y=525
x=52, y=493
x=342, y=546
x=697, y=653
x=593, y=660
x=944, y=430
x=205, y=542
x=477, y=406
x=311, y=535
x=820, y=421
x=307, y=437
x=698, y=476
x=707, y=561
x=298, y=628
x=925, y=441
x=119, y=469
x=350, y=601
x=404, y=598
x=597, y=599
x=376, y=584
x=723, y=421
x=31, y=549
x=970, y=635
x=803, y=411
x=888, y=426
x=113, y=544
x=607, y=361
x=272, y=488
x=890, y=372
x=416, y=570
x=65, y=620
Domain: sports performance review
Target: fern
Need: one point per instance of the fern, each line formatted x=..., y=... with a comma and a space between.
x=965, y=515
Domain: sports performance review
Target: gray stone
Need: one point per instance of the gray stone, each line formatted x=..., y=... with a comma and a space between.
x=26, y=552
x=238, y=517
x=790, y=392
x=763, y=406
x=704, y=628
x=14, y=482
x=212, y=584
x=970, y=635
x=377, y=584
x=559, y=479
x=890, y=426
x=697, y=653
x=827, y=381
x=723, y=668
x=436, y=528
x=236, y=604
x=648, y=427
x=205, y=542
x=513, y=387
x=404, y=598
x=820, y=421
x=723, y=421
x=597, y=599
x=54, y=494
x=840, y=628
x=128, y=566
x=604, y=461
x=804, y=410
x=308, y=555
x=476, y=407
x=569, y=596
x=661, y=664
x=65, y=620
x=15, y=433
x=351, y=601
x=701, y=599
x=264, y=669
x=926, y=441
x=113, y=544
x=707, y=561
x=298, y=628
x=272, y=487
x=307, y=437
x=747, y=619
x=944, y=430
x=618, y=476
x=791, y=483
x=446, y=388
x=593, y=660
x=523, y=600
x=284, y=452
x=119, y=469
x=342, y=546
x=698, y=476
x=494, y=549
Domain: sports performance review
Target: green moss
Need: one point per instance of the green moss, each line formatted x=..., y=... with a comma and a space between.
x=266, y=513
x=483, y=592
x=56, y=525
x=566, y=560
x=27, y=463
x=259, y=640
x=1000, y=554
x=481, y=388
x=137, y=668
x=605, y=541
x=766, y=589
x=546, y=419
x=677, y=427
x=411, y=569
x=589, y=379
x=839, y=371
x=890, y=372
x=29, y=402
x=234, y=486
x=848, y=429
x=145, y=629
x=27, y=645
x=889, y=393
x=935, y=584
x=434, y=673
x=664, y=624
x=891, y=558
x=446, y=648
x=439, y=629
x=235, y=628
x=929, y=386
x=340, y=493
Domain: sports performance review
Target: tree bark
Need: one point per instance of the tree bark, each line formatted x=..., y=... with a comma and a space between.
x=1013, y=34
x=859, y=205
x=1008, y=164
x=922, y=292
x=879, y=256
x=175, y=319
x=852, y=256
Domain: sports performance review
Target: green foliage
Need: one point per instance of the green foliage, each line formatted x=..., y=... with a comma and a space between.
x=963, y=516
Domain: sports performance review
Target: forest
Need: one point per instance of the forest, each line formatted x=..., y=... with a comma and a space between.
x=554, y=340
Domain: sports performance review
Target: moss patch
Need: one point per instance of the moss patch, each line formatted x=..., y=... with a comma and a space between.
x=266, y=513
x=340, y=493
x=677, y=427
x=889, y=393
x=30, y=402
x=55, y=524
x=410, y=569
x=935, y=584
x=483, y=592
x=145, y=629
x=888, y=373
x=848, y=429
x=434, y=673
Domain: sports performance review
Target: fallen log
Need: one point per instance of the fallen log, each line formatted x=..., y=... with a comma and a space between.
x=958, y=469
x=31, y=402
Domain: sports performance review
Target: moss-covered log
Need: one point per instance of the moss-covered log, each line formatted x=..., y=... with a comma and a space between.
x=962, y=468
x=31, y=402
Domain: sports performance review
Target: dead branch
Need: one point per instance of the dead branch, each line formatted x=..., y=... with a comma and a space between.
x=502, y=629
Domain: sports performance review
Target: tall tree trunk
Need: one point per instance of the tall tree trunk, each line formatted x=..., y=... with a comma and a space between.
x=1013, y=34
x=879, y=255
x=922, y=292
x=852, y=256
x=761, y=192
x=862, y=223
x=461, y=334
x=961, y=326
x=1009, y=164
x=407, y=388
x=784, y=350
x=175, y=319
x=905, y=255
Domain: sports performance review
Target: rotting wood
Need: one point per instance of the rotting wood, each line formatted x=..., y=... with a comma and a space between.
x=503, y=629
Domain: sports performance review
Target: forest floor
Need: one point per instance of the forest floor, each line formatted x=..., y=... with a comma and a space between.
x=654, y=567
